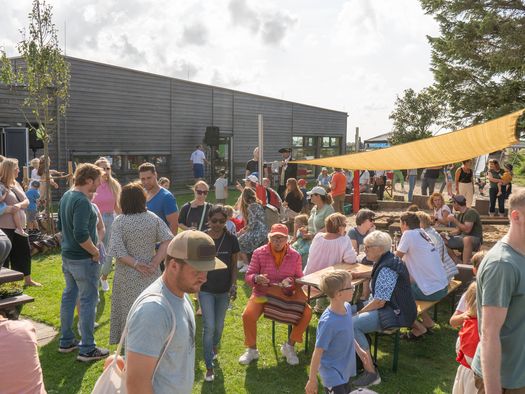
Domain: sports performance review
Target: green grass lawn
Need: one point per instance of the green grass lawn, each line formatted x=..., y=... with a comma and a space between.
x=427, y=366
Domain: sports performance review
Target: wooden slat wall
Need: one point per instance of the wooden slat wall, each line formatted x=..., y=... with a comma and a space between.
x=113, y=109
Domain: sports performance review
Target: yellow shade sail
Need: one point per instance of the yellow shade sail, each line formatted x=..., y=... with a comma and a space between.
x=443, y=149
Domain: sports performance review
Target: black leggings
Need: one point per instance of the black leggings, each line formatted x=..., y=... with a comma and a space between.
x=493, y=195
x=19, y=258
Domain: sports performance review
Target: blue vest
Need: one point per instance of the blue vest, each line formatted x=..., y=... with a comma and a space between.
x=400, y=310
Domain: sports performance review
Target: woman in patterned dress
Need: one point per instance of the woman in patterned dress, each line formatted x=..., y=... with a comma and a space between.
x=133, y=238
x=255, y=232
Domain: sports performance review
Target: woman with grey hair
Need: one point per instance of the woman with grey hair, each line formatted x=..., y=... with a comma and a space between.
x=391, y=304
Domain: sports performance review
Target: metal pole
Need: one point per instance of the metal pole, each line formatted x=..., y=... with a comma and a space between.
x=356, y=200
x=261, y=148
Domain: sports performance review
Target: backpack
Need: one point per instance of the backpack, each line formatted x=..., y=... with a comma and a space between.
x=271, y=214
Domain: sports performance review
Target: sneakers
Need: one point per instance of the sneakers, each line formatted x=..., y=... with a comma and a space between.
x=96, y=354
x=288, y=351
x=210, y=377
x=70, y=348
x=367, y=379
x=248, y=356
x=104, y=284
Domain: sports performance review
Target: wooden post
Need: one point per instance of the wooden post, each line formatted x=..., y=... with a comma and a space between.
x=70, y=172
x=25, y=180
x=356, y=201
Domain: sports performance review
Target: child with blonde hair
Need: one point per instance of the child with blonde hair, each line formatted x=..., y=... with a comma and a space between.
x=467, y=343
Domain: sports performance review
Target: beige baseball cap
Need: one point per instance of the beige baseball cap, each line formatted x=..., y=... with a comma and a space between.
x=197, y=249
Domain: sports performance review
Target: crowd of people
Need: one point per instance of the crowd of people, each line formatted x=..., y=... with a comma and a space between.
x=161, y=255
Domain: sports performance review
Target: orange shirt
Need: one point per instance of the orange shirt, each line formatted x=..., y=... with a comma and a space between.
x=339, y=184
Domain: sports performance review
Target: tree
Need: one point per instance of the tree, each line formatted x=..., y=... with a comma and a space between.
x=478, y=60
x=415, y=116
x=43, y=79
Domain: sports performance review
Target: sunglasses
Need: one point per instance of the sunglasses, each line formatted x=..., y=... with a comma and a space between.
x=348, y=288
x=315, y=194
x=367, y=247
x=220, y=221
x=201, y=192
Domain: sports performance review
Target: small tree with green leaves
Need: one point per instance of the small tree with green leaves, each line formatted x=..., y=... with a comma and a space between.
x=43, y=79
x=415, y=116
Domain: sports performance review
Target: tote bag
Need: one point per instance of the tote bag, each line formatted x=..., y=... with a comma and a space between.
x=113, y=380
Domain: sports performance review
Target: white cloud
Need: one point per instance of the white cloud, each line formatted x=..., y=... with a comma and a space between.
x=353, y=55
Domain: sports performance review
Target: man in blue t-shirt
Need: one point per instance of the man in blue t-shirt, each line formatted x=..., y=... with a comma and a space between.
x=159, y=200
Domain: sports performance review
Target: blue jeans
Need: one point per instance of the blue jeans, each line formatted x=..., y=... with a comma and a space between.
x=411, y=186
x=213, y=308
x=81, y=282
x=364, y=323
x=108, y=219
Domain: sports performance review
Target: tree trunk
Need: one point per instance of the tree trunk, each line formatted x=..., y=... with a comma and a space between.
x=50, y=227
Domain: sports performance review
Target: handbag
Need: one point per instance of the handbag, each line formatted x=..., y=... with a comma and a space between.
x=282, y=308
x=113, y=380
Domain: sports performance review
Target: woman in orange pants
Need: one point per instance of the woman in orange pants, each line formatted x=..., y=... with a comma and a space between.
x=273, y=263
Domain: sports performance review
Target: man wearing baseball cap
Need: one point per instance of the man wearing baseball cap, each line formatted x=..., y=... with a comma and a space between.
x=191, y=254
x=469, y=234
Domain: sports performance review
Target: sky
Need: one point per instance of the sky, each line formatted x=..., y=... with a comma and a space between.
x=354, y=56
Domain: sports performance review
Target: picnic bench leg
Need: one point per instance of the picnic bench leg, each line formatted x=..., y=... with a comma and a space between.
x=396, y=352
x=306, y=336
x=436, y=311
x=376, y=340
x=289, y=331
x=273, y=332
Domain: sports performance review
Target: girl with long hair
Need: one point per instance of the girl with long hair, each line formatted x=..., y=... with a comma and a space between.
x=107, y=199
x=293, y=199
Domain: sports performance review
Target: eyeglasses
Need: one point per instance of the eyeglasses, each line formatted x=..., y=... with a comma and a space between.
x=220, y=221
x=201, y=192
x=352, y=287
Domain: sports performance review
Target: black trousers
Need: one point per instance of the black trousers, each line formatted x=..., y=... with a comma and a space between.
x=493, y=195
x=19, y=258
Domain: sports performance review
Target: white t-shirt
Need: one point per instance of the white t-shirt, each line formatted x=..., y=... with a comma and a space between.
x=462, y=304
x=220, y=184
x=364, y=178
x=198, y=157
x=423, y=261
x=438, y=213
x=327, y=252
x=34, y=175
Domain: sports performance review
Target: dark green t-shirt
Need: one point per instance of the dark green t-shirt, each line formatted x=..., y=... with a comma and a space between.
x=472, y=216
x=497, y=175
x=501, y=283
x=77, y=220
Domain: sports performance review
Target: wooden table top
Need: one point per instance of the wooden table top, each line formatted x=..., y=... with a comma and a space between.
x=7, y=275
x=314, y=279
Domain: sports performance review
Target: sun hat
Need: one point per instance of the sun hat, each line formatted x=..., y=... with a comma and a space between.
x=317, y=190
x=197, y=249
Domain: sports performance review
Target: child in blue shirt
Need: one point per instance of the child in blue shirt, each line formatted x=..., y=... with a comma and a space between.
x=32, y=209
x=335, y=347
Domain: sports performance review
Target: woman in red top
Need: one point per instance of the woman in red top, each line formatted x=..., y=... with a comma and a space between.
x=273, y=264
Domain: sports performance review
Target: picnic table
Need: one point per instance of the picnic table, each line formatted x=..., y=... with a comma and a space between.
x=313, y=280
x=12, y=305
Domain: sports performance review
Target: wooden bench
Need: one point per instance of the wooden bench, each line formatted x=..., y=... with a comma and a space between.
x=12, y=305
x=422, y=306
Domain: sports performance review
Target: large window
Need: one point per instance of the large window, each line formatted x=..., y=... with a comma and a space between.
x=331, y=146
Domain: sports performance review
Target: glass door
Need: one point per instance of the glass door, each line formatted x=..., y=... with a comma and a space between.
x=220, y=157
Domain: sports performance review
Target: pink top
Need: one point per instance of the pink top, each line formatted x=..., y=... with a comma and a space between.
x=327, y=252
x=104, y=199
x=20, y=370
x=262, y=262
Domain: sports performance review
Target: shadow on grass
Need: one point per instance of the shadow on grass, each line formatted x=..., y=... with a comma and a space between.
x=62, y=372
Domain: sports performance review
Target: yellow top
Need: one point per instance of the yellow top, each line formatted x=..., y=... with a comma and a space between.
x=443, y=149
x=506, y=177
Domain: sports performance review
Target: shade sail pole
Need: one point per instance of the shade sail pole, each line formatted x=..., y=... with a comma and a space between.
x=261, y=148
x=356, y=201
